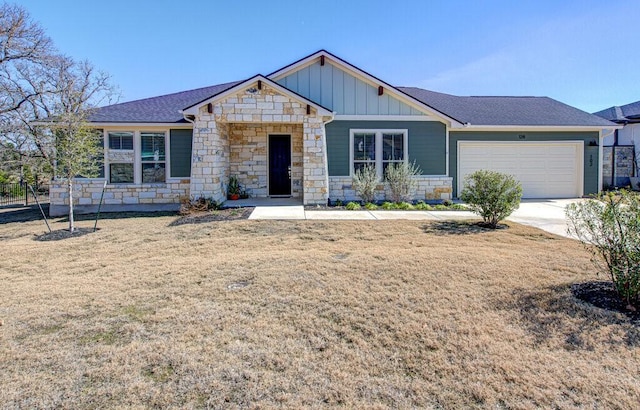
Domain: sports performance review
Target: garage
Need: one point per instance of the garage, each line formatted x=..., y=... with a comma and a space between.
x=549, y=169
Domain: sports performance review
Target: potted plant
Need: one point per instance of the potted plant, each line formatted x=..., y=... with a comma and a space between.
x=635, y=181
x=233, y=189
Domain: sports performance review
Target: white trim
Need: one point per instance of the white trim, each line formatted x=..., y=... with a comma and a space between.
x=368, y=78
x=269, y=135
x=194, y=109
x=386, y=118
x=378, y=141
x=580, y=158
x=519, y=128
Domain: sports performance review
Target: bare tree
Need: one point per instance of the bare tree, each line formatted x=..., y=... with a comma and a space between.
x=46, y=99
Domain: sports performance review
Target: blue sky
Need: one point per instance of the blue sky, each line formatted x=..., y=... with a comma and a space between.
x=578, y=52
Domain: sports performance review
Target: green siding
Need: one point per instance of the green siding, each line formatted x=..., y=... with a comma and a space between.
x=338, y=90
x=590, y=152
x=426, y=140
x=180, y=153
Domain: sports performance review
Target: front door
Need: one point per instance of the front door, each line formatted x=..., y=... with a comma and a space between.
x=280, y=165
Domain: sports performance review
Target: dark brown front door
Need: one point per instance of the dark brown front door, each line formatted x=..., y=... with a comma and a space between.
x=280, y=165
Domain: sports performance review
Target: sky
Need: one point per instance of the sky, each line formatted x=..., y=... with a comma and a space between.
x=579, y=52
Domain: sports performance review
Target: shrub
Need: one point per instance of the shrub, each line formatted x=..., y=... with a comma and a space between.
x=492, y=195
x=353, y=206
x=371, y=206
x=389, y=205
x=406, y=206
x=365, y=181
x=609, y=226
x=401, y=179
x=422, y=206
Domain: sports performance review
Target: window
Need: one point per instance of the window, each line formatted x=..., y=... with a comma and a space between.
x=379, y=148
x=121, y=173
x=152, y=155
x=121, y=140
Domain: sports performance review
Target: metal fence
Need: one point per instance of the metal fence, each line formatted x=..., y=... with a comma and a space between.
x=19, y=193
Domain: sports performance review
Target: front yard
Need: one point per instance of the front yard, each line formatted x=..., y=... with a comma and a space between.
x=148, y=312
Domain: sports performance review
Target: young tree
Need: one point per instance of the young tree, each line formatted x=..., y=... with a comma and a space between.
x=46, y=99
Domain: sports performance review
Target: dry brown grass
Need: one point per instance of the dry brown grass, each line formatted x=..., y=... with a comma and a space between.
x=148, y=313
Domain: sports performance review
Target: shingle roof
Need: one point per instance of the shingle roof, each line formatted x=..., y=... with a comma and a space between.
x=622, y=114
x=164, y=108
x=517, y=111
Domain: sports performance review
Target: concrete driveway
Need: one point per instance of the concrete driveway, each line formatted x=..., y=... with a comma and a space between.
x=545, y=214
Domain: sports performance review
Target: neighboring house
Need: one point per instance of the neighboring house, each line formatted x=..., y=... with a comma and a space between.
x=625, y=143
x=303, y=130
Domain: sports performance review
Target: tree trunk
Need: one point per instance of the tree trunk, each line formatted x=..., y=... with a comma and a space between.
x=71, y=224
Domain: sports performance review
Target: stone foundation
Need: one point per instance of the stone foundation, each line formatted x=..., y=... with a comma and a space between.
x=428, y=189
x=87, y=194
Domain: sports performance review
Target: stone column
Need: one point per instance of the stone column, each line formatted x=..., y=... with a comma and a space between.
x=210, y=158
x=314, y=158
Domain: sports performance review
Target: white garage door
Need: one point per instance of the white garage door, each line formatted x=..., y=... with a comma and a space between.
x=545, y=169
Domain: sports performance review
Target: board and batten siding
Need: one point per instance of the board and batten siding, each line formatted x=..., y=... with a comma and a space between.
x=180, y=141
x=590, y=163
x=339, y=91
x=426, y=144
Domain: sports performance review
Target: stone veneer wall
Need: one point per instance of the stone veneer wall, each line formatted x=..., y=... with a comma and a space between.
x=428, y=189
x=87, y=195
x=211, y=147
x=248, y=156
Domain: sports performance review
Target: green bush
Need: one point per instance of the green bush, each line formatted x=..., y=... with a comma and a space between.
x=353, y=206
x=401, y=179
x=389, y=206
x=492, y=195
x=405, y=206
x=365, y=181
x=371, y=206
x=609, y=227
x=422, y=206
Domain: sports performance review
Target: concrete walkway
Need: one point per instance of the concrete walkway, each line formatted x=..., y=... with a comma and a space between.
x=547, y=215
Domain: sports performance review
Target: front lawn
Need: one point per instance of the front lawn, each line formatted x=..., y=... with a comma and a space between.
x=149, y=312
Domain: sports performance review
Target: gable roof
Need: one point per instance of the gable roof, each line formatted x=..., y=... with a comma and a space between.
x=622, y=114
x=193, y=108
x=459, y=111
x=161, y=109
x=507, y=111
x=359, y=73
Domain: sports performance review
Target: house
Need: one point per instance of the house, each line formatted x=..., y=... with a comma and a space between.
x=622, y=148
x=302, y=130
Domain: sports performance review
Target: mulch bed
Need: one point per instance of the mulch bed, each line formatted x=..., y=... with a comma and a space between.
x=228, y=214
x=603, y=295
x=61, y=234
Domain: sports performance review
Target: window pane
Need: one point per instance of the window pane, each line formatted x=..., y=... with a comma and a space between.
x=364, y=147
x=180, y=149
x=152, y=146
x=121, y=173
x=153, y=172
x=120, y=140
x=392, y=147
